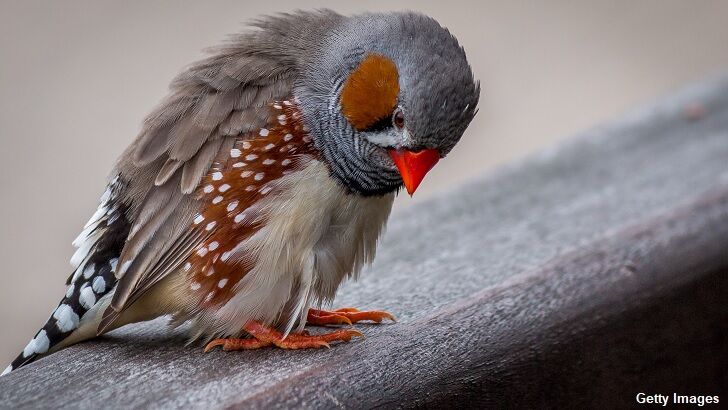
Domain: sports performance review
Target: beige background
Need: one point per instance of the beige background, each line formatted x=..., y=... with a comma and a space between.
x=76, y=78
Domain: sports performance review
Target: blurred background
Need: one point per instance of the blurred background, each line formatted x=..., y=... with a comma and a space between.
x=77, y=78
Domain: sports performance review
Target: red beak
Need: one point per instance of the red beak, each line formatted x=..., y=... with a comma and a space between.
x=413, y=166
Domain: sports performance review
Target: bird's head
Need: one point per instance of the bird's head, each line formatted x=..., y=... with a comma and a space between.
x=386, y=96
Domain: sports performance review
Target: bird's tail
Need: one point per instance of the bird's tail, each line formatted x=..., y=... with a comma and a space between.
x=90, y=284
x=69, y=316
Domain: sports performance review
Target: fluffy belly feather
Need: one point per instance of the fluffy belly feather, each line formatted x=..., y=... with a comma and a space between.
x=312, y=235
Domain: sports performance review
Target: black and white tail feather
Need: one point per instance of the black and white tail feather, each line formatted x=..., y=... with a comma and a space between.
x=98, y=248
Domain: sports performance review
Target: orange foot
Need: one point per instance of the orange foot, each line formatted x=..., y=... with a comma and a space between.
x=266, y=336
x=345, y=316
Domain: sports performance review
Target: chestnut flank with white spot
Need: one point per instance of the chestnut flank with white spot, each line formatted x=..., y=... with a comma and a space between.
x=212, y=270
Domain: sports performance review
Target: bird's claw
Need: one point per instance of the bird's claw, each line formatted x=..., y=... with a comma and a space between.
x=265, y=336
x=347, y=316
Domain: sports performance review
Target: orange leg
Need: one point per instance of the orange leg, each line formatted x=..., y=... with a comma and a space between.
x=345, y=316
x=266, y=336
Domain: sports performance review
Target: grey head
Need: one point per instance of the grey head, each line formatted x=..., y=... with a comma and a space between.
x=385, y=96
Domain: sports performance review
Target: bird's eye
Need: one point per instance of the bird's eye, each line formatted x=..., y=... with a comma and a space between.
x=398, y=118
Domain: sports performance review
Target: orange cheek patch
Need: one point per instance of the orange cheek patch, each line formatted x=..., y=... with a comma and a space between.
x=370, y=93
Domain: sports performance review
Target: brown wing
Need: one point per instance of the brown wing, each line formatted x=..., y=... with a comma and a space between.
x=210, y=105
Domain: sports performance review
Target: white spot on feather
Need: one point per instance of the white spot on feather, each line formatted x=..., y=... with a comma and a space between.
x=195, y=286
x=213, y=245
x=224, y=187
x=87, y=298
x=235, y=152
x=7, y=370
x=263, y=132
x=113, y=263
x=269, y=161
x=239, y=217
x=216, y=176
x=238, y=165
x=210, y=226
x=287, y=137
x=198, y=219
x=222, y=283
x=285, y=162
x=208, y=189
x=39, y=344
x=217, y=199
x=99, y=284
x=66, y=318
x=232, y=205
x=251, y=157
x=246, y=174
x=89, y=271
x=246, y=144
x=259, y=176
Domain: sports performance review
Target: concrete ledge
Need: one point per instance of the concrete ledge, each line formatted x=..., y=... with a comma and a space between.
x=577, y=277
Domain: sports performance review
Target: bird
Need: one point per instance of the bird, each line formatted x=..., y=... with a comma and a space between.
x=264, y=179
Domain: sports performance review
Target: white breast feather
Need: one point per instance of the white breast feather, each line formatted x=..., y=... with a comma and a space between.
x=316, y=234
